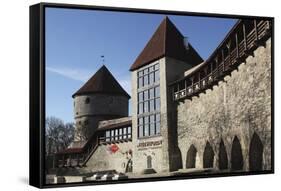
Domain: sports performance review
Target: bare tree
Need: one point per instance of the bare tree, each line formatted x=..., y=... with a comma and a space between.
x=58, y=135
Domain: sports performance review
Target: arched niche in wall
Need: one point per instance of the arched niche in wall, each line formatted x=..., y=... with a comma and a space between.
x=191, y=157
x=223, y=161
x=208, y=156
x=256, y=153
x=236, y=155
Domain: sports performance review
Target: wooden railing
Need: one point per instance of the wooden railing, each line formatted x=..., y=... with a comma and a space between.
x=80, y=158
x=259, y=31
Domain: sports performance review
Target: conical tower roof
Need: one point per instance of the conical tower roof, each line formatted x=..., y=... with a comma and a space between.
x=166, y=41
x=102, y=82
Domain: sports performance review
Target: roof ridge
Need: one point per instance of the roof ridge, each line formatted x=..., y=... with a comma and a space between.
x=167, y=40
x=102, y=81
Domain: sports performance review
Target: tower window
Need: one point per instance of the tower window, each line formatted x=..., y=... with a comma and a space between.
x=86, y=122
x=87, y=100
x=148, y=76
x=149, y=101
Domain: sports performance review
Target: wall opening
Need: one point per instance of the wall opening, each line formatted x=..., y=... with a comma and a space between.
x=191, y=157
x=129, y=166
x=208, y=156
x=149, y=162
x=223, y=161
x=236, y=155
x=256, y=153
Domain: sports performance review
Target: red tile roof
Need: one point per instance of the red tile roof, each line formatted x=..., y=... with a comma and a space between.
x=166, y=41
x=102, y=82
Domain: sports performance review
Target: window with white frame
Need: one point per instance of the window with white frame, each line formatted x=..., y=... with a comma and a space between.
x=149, y=101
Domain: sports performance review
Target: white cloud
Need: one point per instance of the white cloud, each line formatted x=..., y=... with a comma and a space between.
x=84, y=75
x=74, y=74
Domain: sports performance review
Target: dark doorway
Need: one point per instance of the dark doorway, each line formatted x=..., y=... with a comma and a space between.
x=129, y=166
x=256, y=153
x=223, y=161
x=236, y=155
x=208, y=156
x=191, y=157
x=149, y=162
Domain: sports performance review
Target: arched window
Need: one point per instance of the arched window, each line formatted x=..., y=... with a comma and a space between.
x=236, y=155
x=223, y=161
x=208, y=156
x=191, y=157
x=256, y=153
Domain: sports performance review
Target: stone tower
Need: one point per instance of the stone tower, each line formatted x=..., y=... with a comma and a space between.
x=100, y=98
x=160, y=63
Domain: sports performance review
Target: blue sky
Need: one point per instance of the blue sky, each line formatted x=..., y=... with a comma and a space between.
x=76, y=39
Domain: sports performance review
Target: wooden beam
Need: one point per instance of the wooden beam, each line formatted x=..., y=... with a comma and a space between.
x=237, y=45
x=245, y=36
x=222, y=56
x=256, y=29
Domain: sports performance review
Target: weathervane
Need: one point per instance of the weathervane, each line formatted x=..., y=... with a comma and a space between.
x=102, y=59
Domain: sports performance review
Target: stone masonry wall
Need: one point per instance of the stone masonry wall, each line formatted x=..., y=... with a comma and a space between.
x=239, y=106
x=103, y=159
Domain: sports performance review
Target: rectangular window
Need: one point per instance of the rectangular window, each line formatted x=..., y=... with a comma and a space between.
x=140, y=108
x=156, y=66
x=146, y=126
x=157, y=77
x=148, y=101
x=107, y=136
x=157, y=104
x=152, y=125
x=140, y=97
x=140, y=82
x=146, y=129
x=129, y=132
x=152, y=129
x=125, y=133
x=151, y=78
x=151, y=93
x=157, y=125
x=145, y=80
x=140, y=131
x=146, y=95
x=146, y=108
x=157, y=91
x=116, y=134
x=120, y=134
x=112, y=135
x=151, y=105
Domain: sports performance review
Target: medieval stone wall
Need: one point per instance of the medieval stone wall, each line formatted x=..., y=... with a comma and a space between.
x=108, y=158
x=229, y=126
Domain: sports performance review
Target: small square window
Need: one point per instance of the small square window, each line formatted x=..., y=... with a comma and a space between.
x=146, y=107
x=157, y=104
x=145, y=80
x=140, y=96
x=140, y=82
x=87, y=100
x=151, y=93
x=157, y=91
x=156, y=66
x=140, y=108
